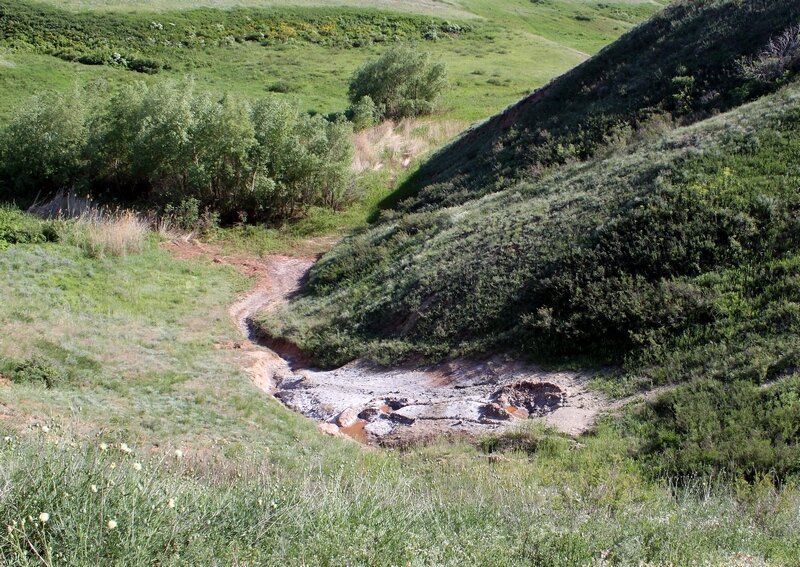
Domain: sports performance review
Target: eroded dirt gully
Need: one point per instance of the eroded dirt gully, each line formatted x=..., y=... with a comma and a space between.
x=396, y=405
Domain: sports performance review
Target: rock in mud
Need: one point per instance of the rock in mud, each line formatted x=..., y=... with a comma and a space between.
x=330, y=429
x=494, y=411
x=347, y=418
x=369, y=414
x=398, y=417
x=379, y=427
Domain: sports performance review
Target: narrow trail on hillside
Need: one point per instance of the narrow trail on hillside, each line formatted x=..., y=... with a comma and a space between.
x=390, y=406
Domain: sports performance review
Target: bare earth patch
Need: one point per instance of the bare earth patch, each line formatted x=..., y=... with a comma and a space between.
x=373, y=404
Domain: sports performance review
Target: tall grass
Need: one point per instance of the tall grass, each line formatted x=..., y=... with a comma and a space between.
x=393, y=145
x=119, y=505
x=95, y=229
x=114, y=234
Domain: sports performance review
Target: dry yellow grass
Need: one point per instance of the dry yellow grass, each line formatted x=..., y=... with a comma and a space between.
x=394, y=145
x=110, y=234
x=94, y=228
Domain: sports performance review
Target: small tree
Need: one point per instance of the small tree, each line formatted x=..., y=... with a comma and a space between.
x=365, y=113
x=43, y=148
x=402, y=82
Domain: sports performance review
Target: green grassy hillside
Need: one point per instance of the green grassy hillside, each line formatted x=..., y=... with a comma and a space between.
x=670, y=253
x=682, y=65
x=602, y=257
x=307, y=51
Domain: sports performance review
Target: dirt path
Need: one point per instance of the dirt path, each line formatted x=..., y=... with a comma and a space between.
x=395, y=405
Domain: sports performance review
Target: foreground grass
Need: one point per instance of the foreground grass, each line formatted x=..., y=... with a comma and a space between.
x=441, y=505
x=134, y=338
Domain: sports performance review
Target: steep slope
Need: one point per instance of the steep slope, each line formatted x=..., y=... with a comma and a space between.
x=663, y=254
x=683, y=65
x=669, y=252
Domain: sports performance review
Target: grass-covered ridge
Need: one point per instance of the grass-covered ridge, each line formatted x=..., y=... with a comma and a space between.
x=682, y=65
x=138, y=42
x=607, y=257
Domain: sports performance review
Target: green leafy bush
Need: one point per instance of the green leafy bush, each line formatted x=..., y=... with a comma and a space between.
x=167, y=144
x=402, y=82
x=365, y=113
x=43, y=148
x=36, y=370
x=19, y=228
x=710, y=427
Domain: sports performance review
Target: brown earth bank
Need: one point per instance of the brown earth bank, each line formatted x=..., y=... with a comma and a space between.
x=398, y=405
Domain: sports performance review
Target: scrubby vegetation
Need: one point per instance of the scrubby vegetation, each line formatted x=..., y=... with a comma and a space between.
x=640, y=248
x=737, y=428
x=168, y=145
x=402, y=83
x=143, y=42
x=669, y=252
x=683, y=65
x=16, y=228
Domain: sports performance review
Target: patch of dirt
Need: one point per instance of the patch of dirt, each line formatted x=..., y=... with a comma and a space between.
x=397, y=406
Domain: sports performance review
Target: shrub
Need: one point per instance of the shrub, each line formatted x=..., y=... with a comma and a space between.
x=777, y=58
x=147, y=66
x=19, y=228
x=710, y=427
x=365, y=113
x=35, y=370
x=280, y=87
x=42, y=149
x=167, y=144
x=403, y=82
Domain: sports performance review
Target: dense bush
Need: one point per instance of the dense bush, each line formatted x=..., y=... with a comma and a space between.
x=168, y=144
x=19, y=228
x=36, y=371
x=43, y=148
x=779, y=58
x=364, y=113
x=711, y=427
x=402, y=82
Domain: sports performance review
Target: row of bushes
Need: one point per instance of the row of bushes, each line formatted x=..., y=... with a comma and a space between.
x=710, y=427
x=168, y=144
